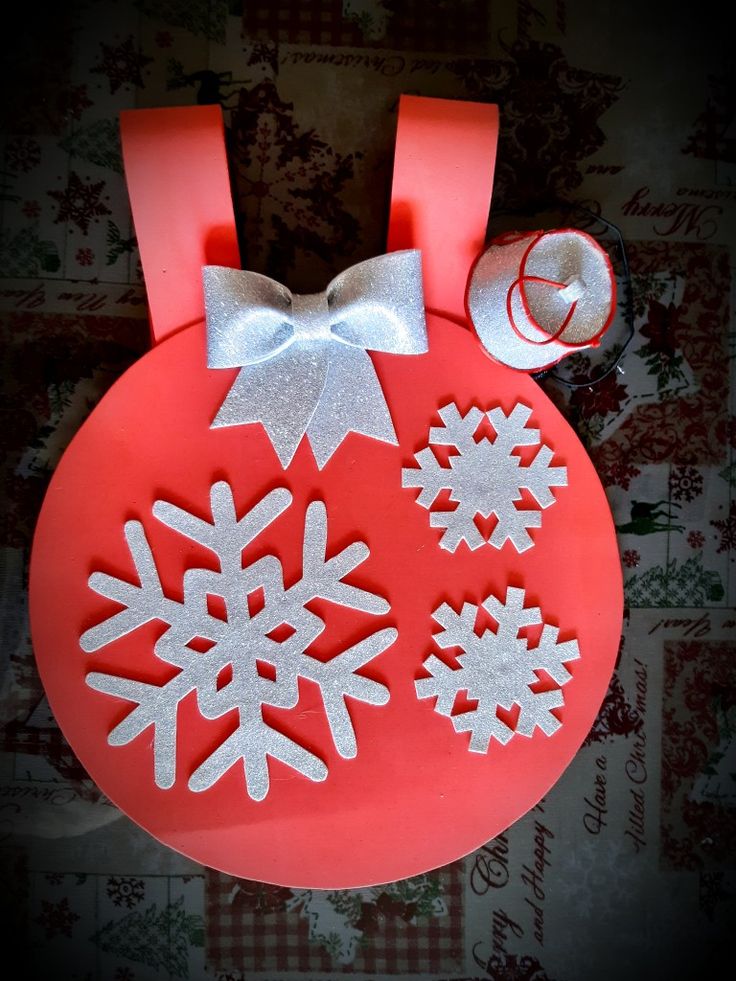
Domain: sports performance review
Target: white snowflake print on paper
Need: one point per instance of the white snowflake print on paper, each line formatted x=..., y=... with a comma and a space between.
x=263, y=669
x=497, y=669
x=485, y=477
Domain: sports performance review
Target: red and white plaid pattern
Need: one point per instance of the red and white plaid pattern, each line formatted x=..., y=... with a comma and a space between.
x=241, y=938
x=414, y=25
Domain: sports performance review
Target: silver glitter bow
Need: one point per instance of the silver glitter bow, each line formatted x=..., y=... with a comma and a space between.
x=304, y=360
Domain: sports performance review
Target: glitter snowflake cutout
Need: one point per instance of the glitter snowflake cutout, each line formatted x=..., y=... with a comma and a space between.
x=261, y=645
x=498, y=670
x=485, y=477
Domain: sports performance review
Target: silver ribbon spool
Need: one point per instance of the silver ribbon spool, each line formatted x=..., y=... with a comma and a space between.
x=536, y=297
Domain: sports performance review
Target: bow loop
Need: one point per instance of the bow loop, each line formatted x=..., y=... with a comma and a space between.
x=373, y=305
x=248, y=317
x=305, y=367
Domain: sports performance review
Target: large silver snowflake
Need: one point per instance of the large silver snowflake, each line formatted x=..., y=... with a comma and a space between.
x=260, y=638
x=497, y=670
x=485, y=477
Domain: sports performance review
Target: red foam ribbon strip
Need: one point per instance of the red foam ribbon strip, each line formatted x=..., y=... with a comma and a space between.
x=441, y=193
x=177, y=176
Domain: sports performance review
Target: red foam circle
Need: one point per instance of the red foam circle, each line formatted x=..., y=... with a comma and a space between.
x=414, y=798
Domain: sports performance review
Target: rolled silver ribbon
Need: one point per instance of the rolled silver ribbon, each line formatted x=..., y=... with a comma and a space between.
x=305, y=367
x=536, y=297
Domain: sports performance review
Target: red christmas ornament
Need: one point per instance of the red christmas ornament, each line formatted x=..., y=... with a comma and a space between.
x=392, y=657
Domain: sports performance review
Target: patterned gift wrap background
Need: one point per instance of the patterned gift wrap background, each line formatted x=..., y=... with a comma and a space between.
x=626, y=869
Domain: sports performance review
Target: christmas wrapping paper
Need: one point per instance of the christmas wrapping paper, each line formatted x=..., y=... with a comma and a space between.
x=626, y=868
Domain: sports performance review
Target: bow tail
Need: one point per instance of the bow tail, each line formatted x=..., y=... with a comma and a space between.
x=262, y=393
x=352, y=402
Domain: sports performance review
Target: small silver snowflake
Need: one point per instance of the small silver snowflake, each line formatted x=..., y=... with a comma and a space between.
x=262, y=641
x=497, y=670
x=485, y=477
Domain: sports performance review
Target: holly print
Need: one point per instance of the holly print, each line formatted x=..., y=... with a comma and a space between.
x=117, y=245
